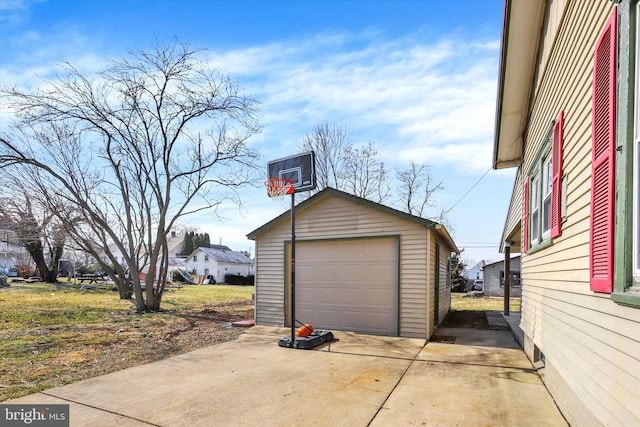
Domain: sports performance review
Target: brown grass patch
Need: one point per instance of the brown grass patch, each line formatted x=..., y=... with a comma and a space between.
x=43, y=356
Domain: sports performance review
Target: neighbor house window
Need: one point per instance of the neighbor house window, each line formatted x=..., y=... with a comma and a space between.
x=542, y=198
x=515, y=279
x=206, y=258
x=195, y=258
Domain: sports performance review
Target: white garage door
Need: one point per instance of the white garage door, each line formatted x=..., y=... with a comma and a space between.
x=348, y=285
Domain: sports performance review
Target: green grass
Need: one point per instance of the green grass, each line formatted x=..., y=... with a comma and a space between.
x=53, y=334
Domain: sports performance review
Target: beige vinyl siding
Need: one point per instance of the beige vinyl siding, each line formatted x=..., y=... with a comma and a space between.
x=514, y=215
x=332, y=217
x=269, y=270
x=444, y=286
x=591, y=342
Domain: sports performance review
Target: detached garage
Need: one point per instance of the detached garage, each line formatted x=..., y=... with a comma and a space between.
x=360, y=266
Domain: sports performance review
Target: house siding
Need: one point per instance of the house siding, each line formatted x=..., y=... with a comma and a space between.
x=591, y=345
x=207, y=264
x=444, y=286
x=492, y=278
x=332, y=217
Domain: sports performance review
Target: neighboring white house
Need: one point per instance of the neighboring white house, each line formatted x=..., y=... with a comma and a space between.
x=174, y=243
x=218, y=262
x=11, y=254
x=475, y=272
x=494, y=278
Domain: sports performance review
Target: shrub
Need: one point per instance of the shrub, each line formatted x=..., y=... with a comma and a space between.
x=233, y=279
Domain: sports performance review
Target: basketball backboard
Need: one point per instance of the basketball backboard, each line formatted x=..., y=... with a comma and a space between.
x=299, y=169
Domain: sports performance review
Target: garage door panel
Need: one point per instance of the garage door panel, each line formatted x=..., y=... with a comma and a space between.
x=348, y=285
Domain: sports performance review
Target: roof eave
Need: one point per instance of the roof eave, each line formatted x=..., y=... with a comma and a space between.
x=519, y=48
x=422, y=221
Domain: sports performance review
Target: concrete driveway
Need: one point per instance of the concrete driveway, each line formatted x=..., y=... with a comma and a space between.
x=359, y=380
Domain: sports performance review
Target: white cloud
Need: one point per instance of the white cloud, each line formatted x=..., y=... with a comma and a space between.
x=424, y=95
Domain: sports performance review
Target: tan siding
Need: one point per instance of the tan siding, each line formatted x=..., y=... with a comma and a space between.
x=445, y=289
x=593, y=343
x=332, y=217
x=514, y=216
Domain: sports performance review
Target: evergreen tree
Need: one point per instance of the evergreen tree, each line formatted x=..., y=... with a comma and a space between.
x=187, y=243
x=458, y=279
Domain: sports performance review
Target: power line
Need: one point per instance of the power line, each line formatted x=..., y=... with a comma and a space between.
x=468, y=191
x=479, y=180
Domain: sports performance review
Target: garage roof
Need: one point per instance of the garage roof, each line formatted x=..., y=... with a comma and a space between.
x=439, y=228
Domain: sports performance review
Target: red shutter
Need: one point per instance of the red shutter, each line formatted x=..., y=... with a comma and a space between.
x=603, y=158
x=525, y=218
x=556, y=179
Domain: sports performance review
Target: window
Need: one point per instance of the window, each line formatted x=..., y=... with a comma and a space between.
x=542, y=191
x=625, y=242
x=515, y=279
x=206, y=272
x=195, y=258
x=206, y=258
x=636, y=161
x=624, y=254
x=546, y=197
x=535, y=210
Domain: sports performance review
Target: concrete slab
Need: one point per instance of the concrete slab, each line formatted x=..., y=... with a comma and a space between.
x=358, y=380
x=479, y=337
x=475, y=356
x=440, y=393
x=252, y=382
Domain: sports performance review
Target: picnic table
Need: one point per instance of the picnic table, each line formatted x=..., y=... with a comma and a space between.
x=89, y=277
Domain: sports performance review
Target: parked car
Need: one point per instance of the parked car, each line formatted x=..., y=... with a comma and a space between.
x=478, y=285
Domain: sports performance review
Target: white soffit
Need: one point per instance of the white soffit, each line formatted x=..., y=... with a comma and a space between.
x=520, y=40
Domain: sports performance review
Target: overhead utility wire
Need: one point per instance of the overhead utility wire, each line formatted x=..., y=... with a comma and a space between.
x=477, y=182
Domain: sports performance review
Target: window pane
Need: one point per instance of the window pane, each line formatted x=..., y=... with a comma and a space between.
x=546, y=214
x=535, y=209
x=546, y=176
x=546, y=201
x=535, y=226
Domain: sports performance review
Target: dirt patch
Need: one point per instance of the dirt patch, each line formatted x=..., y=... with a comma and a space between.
x=474, y=319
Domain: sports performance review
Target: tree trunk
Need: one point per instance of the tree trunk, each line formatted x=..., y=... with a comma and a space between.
x=37, y=254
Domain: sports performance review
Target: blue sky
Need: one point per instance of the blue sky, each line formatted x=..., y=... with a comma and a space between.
x=417, y=77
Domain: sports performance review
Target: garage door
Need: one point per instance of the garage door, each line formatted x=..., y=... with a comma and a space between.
x=348, y=285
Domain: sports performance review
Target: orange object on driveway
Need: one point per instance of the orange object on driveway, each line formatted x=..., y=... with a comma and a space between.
x=304, y=330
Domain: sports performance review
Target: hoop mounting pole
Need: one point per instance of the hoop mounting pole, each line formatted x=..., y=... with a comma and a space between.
x=293, y=271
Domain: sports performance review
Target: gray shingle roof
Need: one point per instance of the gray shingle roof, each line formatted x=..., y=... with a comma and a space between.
x=226, y=256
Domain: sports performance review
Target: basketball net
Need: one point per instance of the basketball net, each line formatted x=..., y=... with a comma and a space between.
x=278, y=187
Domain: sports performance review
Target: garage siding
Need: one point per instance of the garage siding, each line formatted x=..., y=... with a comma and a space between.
x=334, y=217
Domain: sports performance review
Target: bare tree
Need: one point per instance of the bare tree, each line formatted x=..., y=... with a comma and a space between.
x=343, y=166
x=133, y=148
x=330, y=144
x=416, y=188
x=365, y=175
x=35, y=228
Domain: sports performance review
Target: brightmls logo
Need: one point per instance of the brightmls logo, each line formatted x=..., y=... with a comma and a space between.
x=34, y=415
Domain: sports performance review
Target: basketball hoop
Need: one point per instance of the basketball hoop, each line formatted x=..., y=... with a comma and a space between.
x=278, y=187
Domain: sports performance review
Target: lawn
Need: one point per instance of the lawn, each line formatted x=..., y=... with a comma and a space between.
x=462, y=302
x=54, y=334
